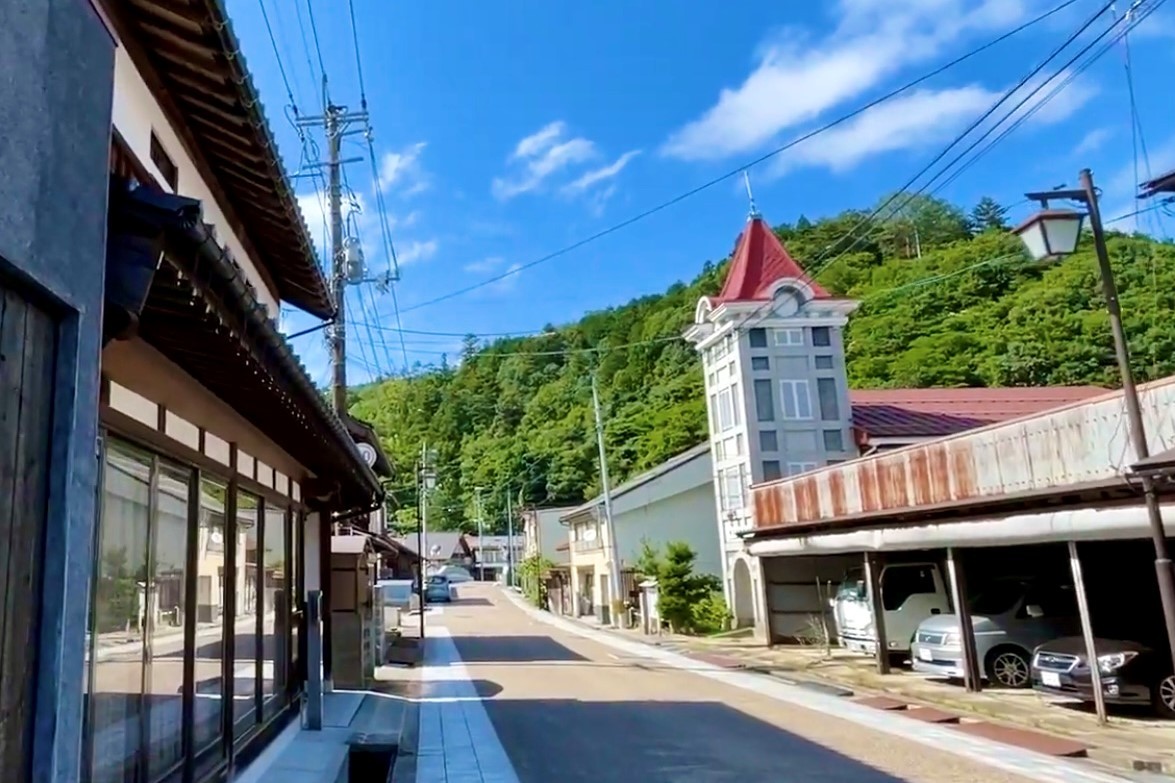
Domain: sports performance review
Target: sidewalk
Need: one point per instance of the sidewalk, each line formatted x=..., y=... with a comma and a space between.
x=1133, y=742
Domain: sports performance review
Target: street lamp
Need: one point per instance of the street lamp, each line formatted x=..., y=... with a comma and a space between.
x=1051, y=233
x=426, y=481
x=1054, y=232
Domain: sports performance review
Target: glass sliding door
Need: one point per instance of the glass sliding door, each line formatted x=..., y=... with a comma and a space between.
x=211, y=573
x=296, y=604
x=119, y=617
x=276, y=609
x=246, y=644
x=165, y=598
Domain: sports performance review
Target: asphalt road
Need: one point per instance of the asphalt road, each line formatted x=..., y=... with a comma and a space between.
x=568, y=709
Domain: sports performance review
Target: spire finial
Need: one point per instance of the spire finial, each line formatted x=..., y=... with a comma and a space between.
x=754, y=213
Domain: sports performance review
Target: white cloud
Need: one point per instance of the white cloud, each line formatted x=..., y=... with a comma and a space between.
x=416, y=250
x=907, y=122
x=602, y=174
x=924, y=117
x=1092, y=141
x=1056, y=100
x=797, y=78
x=484, y=266
x=508, y=281
x=540, y=156
x=401, y=173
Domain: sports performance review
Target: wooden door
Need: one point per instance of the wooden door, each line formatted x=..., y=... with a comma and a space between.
x=28, y=348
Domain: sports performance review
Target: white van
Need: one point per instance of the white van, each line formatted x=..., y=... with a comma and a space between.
x=910, y=592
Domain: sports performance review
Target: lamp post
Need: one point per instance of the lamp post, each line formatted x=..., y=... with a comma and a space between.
x=1052, y=233
x=426, y=479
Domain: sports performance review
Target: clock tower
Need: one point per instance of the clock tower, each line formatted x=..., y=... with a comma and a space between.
x=776, y=392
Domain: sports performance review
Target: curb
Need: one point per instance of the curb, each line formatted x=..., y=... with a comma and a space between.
x=404, y=767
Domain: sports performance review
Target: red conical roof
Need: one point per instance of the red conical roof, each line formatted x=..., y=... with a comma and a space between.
x=760, y=260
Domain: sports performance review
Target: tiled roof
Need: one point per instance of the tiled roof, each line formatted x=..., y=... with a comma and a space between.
x=760, y=260
x=441, y=544
x=920, y=413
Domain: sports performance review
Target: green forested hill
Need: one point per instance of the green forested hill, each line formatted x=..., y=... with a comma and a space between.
x=971, y=311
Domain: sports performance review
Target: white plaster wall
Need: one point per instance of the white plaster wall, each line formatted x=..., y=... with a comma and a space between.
x=135, y=114
x=687, y=516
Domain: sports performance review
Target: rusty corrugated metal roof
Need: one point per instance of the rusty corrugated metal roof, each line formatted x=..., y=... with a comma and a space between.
x=1078, y=447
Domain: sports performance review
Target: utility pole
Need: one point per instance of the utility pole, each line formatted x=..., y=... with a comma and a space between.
x=481, y=571
x=509, y=541
x=609, y=531
x=336, y=119
x=338, y=280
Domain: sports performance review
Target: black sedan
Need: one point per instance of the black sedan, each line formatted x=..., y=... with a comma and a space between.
x=1132, y=673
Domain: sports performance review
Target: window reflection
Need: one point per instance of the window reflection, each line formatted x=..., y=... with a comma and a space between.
x=210, y=575
x=295, y=596
x=119, y=611
x=276, y=623
x=245, y=642
x=164, y=683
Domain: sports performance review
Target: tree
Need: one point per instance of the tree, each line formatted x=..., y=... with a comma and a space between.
x=987, y=215
x=970, y=311
x=680, y=592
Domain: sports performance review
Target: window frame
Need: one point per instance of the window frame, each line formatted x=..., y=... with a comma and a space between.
x=197, y=763
x=793, y=337
x=792, y=385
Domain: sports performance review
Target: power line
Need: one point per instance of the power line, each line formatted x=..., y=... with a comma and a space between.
x=358, y=59
x=306, y=46
x=317, y=49
x=750, y=164
x=280, y=67
x=910, y=196
x=903, y=190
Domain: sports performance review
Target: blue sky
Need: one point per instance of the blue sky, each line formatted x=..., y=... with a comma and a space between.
x=508, y=130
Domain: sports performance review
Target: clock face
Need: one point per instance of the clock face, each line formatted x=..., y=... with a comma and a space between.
x=786, y=303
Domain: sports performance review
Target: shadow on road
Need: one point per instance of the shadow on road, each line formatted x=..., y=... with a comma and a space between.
x=661, y=742
x=513, y=649
x=463, y=601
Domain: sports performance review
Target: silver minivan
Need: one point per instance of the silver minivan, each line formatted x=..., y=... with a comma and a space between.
x=1010, y=618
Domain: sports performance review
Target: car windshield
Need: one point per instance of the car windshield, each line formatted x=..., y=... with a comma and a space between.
x=997, y=599
x=437, y=579
x=853, y=587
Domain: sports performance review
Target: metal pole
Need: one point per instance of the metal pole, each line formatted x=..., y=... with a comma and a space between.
x=509, y=541
x=1166, y=576
x=1095, y=674
x=338, y=332
x=421, y=501
x=481, y=571
x=971, y=673
x=424, y=469
x=609, y=531
x=873, y=568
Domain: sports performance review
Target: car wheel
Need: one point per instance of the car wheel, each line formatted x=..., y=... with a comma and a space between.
x=1008, y=667
x=1164, y=697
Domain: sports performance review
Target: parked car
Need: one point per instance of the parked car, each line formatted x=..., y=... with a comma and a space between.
x=1010, y=618
x=910, y=592
x=1132, y=673
x=437, y=589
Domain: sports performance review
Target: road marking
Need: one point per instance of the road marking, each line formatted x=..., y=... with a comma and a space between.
x=1035, y=766
x=458, y=743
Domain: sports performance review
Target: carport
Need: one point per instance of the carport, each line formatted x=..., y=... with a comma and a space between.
x=1061, y=481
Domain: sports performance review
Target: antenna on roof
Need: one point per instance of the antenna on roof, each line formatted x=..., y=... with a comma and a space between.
x=754, y=213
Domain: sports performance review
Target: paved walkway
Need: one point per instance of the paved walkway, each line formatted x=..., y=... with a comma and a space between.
x=516, y=695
